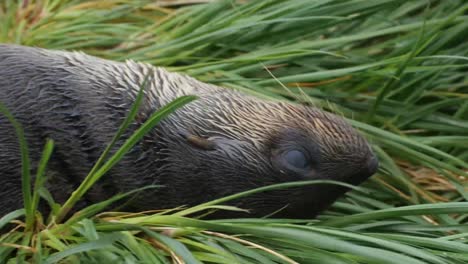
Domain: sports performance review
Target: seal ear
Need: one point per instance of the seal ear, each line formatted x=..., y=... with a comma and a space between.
x=199, y=142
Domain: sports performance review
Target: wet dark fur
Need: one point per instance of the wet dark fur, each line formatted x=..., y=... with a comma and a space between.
x=79, y=101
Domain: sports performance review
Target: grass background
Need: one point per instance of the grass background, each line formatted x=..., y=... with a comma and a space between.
x=396, y=69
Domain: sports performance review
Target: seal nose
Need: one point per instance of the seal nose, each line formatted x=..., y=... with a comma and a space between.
x=372, y=164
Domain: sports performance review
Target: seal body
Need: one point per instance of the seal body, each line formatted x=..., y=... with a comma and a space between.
x=222, y=143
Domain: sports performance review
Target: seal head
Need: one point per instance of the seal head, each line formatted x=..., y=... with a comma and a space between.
x=227, y=142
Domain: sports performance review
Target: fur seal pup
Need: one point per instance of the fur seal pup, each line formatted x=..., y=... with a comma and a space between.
x=223, y=143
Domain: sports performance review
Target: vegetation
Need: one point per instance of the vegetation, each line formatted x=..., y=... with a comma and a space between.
x=396, y=69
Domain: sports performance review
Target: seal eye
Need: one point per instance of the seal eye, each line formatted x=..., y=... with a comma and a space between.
x=296, y=159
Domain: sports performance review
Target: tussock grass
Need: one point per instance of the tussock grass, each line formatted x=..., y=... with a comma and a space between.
x=396, y=69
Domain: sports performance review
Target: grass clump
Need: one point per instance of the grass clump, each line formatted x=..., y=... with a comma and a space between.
x=396, y=69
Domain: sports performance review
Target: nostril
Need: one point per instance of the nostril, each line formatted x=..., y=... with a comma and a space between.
x=372, y=164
